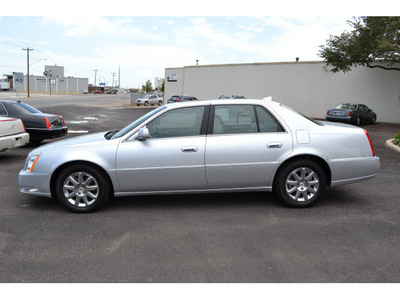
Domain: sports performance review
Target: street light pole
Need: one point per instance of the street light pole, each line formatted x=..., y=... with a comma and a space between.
x=27, y=65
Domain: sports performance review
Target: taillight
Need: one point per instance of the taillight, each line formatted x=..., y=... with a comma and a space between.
x=350, y=114
x=63, y=120
x=370, y=142
x=327, y=112
x=48, y=123
x=23, y=126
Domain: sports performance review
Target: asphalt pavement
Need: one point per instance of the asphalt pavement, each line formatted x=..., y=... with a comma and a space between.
x=352, y=234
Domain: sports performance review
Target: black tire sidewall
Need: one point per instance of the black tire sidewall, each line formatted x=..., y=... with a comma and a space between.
x=104, y=187
x=280, y=182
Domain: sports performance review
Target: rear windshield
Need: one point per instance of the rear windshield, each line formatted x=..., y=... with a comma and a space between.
x=304, y=116
x=346, y=106
x=23, y=108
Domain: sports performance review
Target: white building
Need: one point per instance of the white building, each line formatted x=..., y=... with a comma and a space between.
x=306, y=86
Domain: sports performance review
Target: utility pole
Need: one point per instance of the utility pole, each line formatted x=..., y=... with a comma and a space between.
x=27, y=65
x=112, y=84
x=119, y=76
x=95, y=74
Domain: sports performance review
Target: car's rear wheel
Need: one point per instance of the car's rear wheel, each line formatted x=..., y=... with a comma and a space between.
x=373, y=120
x=146, y=103
x=300, y=183
x=358, y=121
x=82, y=188
x=159, y=103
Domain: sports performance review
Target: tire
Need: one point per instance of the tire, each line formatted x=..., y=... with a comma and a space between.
x=358, y=121
x=159, y=103
x=82, y=188
x=146, y=103
x=300, y=183
x=36, y=141
x=373, y=120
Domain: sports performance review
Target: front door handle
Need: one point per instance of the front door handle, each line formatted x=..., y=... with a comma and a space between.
x=189, y=149
x=274, y=145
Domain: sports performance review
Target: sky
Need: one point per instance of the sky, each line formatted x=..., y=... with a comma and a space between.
x=141, y=41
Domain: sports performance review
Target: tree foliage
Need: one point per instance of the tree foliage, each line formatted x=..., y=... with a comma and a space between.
x=148, y=87
x=374, y=42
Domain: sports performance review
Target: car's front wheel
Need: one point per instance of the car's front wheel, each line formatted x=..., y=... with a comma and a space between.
x=159, y=103
x=82, y=188
x=300, y=183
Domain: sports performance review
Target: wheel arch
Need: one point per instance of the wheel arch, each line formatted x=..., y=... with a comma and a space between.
x=60, y=168
x=320, y=161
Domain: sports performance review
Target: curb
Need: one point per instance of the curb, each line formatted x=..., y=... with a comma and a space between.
x=389, y=144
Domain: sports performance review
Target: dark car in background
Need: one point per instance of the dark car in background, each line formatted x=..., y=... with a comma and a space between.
x=181, y=99
x=39, y=125
x=351, y=113
x=231, y=97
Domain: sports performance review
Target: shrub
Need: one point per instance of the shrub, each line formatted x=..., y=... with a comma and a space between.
x=397, y=139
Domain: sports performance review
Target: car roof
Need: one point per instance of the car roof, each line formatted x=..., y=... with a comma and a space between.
x=223, y=101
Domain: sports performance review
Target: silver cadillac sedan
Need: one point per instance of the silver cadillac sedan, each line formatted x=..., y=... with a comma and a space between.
x=203, y=146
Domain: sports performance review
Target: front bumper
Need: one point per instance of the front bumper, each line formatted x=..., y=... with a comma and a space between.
x=34, y=183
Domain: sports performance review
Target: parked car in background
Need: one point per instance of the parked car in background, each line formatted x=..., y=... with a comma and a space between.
x=174, y=99
x=12, y=133
x=98, y=92
x=203, y=146
x=39, y=125
x=351, y=113
x=231, y=97
x=150, y=99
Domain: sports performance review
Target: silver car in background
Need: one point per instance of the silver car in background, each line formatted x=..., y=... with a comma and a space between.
x=150, y=99
x=203, y=146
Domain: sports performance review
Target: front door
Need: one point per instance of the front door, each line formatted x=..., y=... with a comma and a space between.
x=171, y=159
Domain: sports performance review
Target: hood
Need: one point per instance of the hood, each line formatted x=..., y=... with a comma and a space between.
x=85, y=140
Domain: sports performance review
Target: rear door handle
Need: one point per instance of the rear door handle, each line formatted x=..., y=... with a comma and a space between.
x=274, y=145
x=189, y=149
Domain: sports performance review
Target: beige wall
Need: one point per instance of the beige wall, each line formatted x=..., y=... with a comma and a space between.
x=305, y=86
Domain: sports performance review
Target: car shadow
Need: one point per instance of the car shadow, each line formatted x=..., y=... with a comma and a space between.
x=204, y=200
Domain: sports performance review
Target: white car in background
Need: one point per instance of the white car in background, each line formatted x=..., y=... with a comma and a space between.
x=12, y=134
x=150, y=99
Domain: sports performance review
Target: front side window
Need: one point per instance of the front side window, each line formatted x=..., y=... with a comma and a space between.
x=179, y=122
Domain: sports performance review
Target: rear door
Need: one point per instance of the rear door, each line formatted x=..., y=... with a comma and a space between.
x=244, y=145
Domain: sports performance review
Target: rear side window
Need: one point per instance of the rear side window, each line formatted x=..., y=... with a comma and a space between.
x=234, y=119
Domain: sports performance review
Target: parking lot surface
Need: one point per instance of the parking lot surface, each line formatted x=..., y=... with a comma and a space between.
x=352, y=233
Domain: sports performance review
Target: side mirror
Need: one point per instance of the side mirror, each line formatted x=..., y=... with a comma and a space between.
x=143, y=134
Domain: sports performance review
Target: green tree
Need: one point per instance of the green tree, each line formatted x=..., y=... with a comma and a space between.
x=148, y=87
x=374, y=42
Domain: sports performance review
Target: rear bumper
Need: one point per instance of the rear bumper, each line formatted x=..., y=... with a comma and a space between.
x=13, y=141
x=45, y=133
x=345, y=171
x=344, y=119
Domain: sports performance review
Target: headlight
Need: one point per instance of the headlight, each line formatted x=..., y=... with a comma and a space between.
x=31, y=162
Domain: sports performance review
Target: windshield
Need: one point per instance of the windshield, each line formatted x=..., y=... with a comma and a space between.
x=304, y=116
x=137, y=122
x=346, y=106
